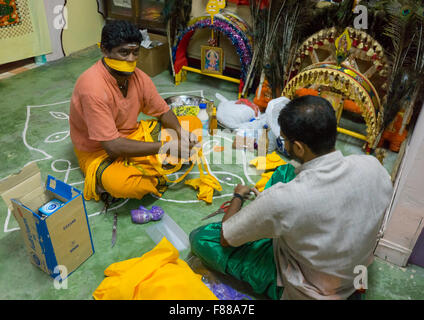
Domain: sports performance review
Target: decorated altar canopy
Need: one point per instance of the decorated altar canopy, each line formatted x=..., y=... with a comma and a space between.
x=229, y=24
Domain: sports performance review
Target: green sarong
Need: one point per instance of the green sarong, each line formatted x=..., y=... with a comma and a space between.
x=252, y=262
x=284, y=173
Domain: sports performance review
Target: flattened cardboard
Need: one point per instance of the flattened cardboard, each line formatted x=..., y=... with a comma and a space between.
x=15, y=186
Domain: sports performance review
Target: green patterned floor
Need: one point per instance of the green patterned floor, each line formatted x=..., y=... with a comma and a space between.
x=34, y=127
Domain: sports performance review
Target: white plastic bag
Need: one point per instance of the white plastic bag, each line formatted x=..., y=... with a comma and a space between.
x=272, y=112
x=231, y=115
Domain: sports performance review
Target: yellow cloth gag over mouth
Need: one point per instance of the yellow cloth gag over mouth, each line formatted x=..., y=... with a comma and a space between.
x=121, y=65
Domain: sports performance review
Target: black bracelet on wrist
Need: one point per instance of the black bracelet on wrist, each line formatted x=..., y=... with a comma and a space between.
x=237, y=195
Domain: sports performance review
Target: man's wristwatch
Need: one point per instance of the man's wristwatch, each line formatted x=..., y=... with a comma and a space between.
x=237, y=195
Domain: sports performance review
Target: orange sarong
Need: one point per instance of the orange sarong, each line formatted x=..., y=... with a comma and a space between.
x=122, y=180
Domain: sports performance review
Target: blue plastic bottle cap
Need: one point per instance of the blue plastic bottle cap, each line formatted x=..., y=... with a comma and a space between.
x=202, y=106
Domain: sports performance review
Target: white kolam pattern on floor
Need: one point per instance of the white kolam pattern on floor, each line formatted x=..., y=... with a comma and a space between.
x=62, y=136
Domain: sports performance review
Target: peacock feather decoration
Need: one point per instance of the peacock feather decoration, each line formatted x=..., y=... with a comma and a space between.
x=404, y=28
x=176, y=15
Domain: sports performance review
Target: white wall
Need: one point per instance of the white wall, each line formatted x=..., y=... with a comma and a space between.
x=82, y=28
x=55, y=33
x=406, y=215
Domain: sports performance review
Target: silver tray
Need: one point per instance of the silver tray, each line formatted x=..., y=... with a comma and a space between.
x=186, y=100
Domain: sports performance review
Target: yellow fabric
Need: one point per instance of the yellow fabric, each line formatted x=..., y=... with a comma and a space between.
x=206, y=184
x=122, y=181
x=116, y=182
x=270, y=162
x=90, y=161
x=90, y=178
x=157, y=275
x=145, y=131
x=206, y=187
x=260, y=185
x=120, y=65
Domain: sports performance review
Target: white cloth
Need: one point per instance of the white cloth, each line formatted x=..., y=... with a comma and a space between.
x=272, y=113
x=232, y=115
x=324, y=223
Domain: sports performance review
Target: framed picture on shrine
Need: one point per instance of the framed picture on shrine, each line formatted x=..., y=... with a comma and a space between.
x=121, y=10
x=146, y=14
x=212, y=59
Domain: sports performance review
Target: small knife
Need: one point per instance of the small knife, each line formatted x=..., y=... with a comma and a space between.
x=115, y=223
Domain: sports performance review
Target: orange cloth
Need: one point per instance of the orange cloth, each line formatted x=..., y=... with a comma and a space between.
x=351, y=106
x=391, y=134
x=119, y=179
x=99, y=111
x=306, y=92
x=265, y=96
x=157, y=275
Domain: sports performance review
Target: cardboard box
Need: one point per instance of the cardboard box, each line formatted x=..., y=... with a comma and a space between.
x=155, y=60
x=60, y=239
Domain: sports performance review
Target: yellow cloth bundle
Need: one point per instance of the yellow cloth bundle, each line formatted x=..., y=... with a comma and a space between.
x=270, y=162
x=157, y=275
x=150, y=166
x=206, y=184
x=260, y=185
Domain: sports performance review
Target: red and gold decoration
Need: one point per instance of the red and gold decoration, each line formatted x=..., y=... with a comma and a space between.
x=341, y=85
x=349, y=69
x=263, y=95
x=8, y=13
x=365, y=55
x=394, y=134
x=227, y=24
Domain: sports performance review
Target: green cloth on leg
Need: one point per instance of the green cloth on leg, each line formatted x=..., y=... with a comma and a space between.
x=284, y=173
x=252, y=262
